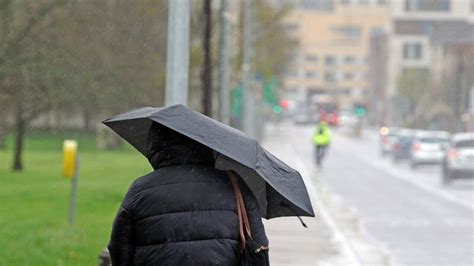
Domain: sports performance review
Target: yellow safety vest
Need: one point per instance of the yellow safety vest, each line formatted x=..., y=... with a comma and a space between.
x=322, y=138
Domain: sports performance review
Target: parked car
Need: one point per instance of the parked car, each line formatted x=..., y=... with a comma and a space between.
x=387, y=138
x=332, y=118
x=302, y=119
x=428, y=147
x=401, y=144
x=347, y=118
x=459, y=157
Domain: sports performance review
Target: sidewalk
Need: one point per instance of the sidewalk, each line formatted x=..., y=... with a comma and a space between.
x=335, y=236
x=290, y=242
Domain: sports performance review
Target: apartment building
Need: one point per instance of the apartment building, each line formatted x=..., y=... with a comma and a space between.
x=332, y=59
x=413, y=22
x=408, y=47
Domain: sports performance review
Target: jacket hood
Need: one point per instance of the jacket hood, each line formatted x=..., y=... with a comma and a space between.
x=167, y=147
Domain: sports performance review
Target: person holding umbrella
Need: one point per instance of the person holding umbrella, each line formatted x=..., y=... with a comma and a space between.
x=184, y=212
x=203, y=203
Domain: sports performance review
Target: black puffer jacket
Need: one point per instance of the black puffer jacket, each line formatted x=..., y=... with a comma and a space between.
x=183, y=213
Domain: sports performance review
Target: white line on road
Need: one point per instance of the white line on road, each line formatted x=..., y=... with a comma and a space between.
x=347, y=249
x=433, y=190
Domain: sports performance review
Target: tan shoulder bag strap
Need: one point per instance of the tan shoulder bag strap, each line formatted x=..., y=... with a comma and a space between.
x=244, y=225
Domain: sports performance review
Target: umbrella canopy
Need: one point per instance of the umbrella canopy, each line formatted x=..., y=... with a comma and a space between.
x=279, y=189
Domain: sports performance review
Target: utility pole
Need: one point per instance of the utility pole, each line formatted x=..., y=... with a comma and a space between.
x=224, y=49
x=177, y=55
x=248, y=96
x=458, y=105
x=470, y=126
x=206, y=72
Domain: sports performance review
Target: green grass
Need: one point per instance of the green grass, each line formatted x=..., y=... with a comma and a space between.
x=34, y=203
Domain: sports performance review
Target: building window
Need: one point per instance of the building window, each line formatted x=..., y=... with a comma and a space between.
x=297, y=59
x=292, y=74
x=311, y=74
x=364, y=2
x=357, y=92
x=347, y=31
x=412, y=51
x=330, y=77
x=345, y=91
x=330, y=60
x=311, y=58
x=323, y=5
x=345, y=2
x=427, y=5
x=348, y=76
x=349, y=59
x=382, y=2
x=291, y=27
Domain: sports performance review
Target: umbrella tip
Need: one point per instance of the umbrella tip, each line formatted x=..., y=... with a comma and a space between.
x=302, y=222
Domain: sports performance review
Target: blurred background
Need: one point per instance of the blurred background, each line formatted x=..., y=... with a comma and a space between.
x=394, y=80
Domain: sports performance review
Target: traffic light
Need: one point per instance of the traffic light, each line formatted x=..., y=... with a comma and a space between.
x=277, y=109
x=360, y=111
x=284, y=104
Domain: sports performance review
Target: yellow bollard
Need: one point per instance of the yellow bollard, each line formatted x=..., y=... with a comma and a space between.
x=70, y=158
x=71, y=171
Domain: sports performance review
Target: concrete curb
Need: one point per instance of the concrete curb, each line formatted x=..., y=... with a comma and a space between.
x=355, y=246
x=346, y=247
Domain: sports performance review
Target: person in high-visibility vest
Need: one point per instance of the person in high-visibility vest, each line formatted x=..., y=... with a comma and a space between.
x=321, y=140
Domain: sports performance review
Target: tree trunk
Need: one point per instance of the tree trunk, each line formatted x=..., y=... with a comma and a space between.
x=20, y=127
x=3, y=134
x=206, y=73
x=86, y=116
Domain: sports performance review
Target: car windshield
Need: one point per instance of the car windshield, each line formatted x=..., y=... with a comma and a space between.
x=405, y=139
x=433, y=140
x=465, y=144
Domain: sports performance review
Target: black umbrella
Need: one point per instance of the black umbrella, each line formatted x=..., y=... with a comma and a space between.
x=279, y=189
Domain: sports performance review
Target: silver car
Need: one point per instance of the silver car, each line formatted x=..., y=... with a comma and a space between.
x=459, y=159
x=428, y=147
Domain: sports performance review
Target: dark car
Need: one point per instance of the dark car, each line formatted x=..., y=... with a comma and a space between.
x=401, y=144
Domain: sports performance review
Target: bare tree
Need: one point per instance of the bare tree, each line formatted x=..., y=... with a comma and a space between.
x=22, y=85
x=89, y=57
x=412, y=84
x=274, y=45
x=95, y=58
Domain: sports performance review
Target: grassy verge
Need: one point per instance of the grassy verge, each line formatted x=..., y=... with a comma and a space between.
x=34, y=203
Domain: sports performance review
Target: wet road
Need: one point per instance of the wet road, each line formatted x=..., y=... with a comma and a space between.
x=418, y=221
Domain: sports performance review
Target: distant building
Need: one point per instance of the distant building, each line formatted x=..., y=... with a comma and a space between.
x=413, y=22
x=452, y=71
x=332, y=59
x=378, y=77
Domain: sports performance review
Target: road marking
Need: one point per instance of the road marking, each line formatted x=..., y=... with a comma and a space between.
x=347, y=248
x=433, y=190
x=394, y=172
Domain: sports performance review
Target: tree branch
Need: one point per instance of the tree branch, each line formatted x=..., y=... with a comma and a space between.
x=4, y=4
x=11, y=46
